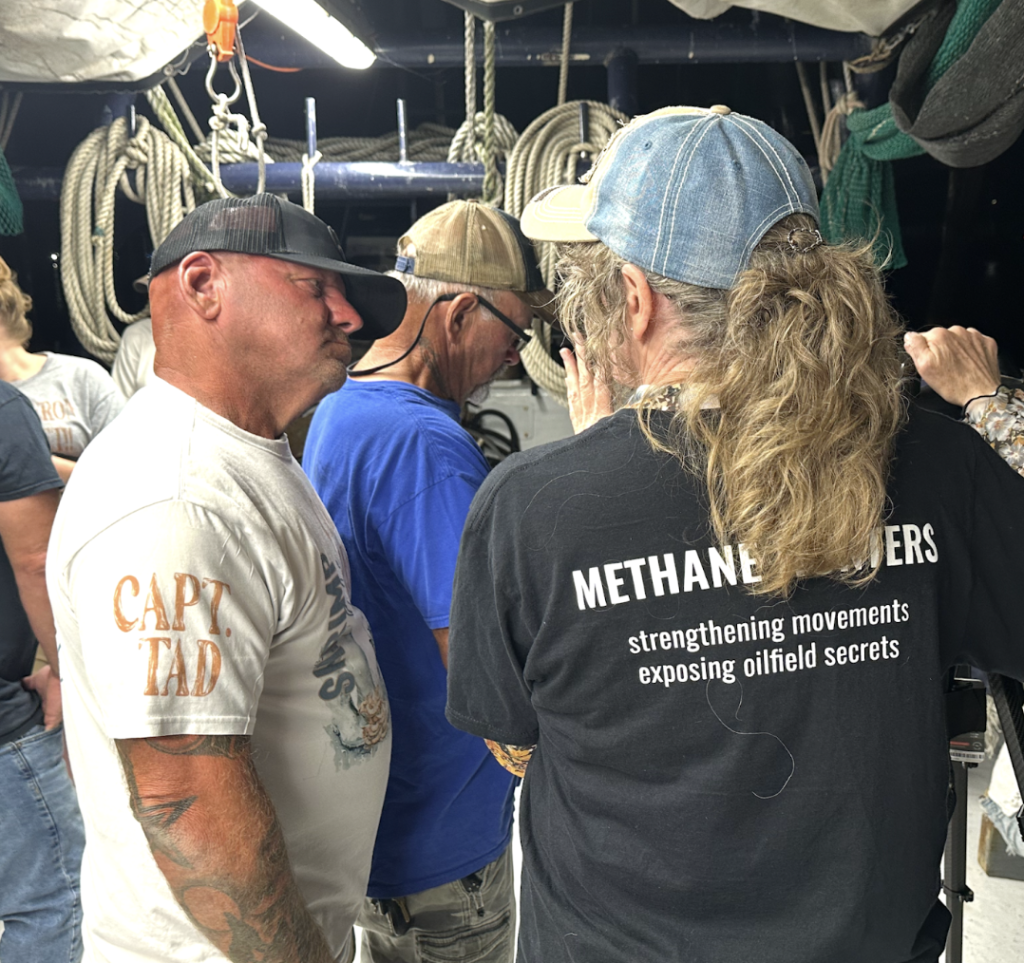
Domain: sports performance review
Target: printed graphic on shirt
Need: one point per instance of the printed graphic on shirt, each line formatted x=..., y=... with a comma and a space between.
x=177, y=663
x=184, y=646
x=672, y=653
x=57, y=416
x=349, y=684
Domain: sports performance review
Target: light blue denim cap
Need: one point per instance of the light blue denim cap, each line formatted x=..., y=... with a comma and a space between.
x=683, y=192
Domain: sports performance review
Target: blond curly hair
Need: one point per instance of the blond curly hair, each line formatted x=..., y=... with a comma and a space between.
x=802, y=357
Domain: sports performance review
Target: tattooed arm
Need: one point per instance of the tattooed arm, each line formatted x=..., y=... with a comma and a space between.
x=513, y=758
x=216, y=838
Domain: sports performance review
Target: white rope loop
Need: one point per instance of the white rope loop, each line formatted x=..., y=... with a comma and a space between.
x=309, y=180
x=97, y=170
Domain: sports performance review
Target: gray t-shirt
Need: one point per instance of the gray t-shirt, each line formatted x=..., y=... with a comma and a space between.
x=75, y=400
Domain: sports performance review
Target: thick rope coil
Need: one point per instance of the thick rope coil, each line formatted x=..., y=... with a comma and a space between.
x=97, y=169
x=546, y=155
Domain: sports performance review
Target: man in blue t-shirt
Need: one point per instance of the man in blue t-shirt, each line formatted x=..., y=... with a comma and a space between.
x=397, y=472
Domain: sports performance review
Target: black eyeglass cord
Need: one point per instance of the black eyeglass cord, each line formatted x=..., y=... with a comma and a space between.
x=405, y=354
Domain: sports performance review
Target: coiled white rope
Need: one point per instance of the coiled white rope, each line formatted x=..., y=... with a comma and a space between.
x=546, y=155
x=97, y=170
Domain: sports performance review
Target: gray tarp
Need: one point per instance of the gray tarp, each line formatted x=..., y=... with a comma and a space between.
x=975, y=110
x=64, y=41
x=866, y=16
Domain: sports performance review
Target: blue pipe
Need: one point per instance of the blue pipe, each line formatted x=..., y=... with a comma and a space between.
x=365, y=179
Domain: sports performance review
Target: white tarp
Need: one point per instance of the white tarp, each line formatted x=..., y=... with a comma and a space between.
x=67, y=41
x=866, y=16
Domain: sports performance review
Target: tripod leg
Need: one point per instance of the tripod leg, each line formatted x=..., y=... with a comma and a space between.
x=955, y=867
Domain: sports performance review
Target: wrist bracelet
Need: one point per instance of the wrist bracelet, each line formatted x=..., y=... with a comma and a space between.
x=992, y=394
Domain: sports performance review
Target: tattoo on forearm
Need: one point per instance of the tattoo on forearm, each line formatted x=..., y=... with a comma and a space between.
x=513, y=758
x=243, y=898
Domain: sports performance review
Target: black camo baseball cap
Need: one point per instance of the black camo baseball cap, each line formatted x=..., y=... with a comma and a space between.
x=269, y=226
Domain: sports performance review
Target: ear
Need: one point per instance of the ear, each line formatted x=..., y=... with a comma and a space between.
x=639, y=301
x=200, y=278
x=456, y=316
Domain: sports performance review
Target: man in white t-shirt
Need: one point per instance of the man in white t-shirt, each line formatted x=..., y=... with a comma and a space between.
x=227, y=723
x=133, y=363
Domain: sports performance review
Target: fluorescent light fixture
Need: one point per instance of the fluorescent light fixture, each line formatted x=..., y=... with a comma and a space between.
x=311, y=21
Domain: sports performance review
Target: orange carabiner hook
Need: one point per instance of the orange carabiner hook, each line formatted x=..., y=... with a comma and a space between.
x=220, y=20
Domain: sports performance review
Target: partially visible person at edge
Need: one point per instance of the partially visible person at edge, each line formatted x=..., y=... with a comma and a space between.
x=227, y=722
x=41, y=834
x=74, y=397
x=133, y=363
x=713, y=627
x=397, y=473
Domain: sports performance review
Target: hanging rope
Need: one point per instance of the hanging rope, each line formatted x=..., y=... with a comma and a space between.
x=563, y=66
x=97, y=169
x=259, y=129
x=546, y=155
x=812, y=113
x=485, y=137
x=164, y=111
x=493, y=190
x=470, y=55
x=183, y=106
x=8, y=115
x=831, y=142
x=309, y=180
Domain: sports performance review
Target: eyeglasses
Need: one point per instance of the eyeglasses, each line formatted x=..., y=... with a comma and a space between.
x=523, y=336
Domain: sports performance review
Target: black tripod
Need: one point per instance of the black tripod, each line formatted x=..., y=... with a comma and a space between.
x=966, y=722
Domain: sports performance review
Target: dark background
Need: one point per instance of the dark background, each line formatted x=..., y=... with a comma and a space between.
x=963, y=230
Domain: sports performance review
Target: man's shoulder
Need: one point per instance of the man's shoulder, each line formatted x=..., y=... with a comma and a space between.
x=382, y=421
x=69, y=367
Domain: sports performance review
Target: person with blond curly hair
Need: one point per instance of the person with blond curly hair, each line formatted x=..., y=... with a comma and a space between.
x=712, y=628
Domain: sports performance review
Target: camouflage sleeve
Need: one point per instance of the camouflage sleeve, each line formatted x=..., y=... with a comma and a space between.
x=999, y=419
x=512, y=758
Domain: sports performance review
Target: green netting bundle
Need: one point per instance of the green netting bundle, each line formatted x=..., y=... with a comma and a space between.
x=10, y=204
x=859, y=199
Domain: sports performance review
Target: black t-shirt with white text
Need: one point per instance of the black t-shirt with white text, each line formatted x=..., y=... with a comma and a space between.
x=721, y=777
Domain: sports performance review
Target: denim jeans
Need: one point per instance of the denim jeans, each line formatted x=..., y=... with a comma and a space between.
x=471, y=920
x=41, y=842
